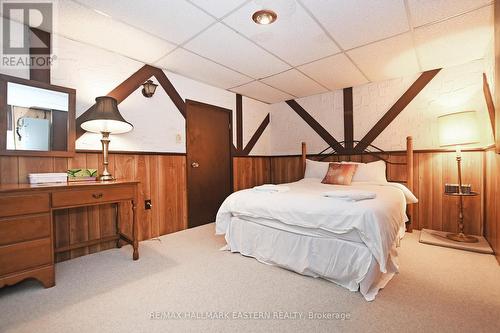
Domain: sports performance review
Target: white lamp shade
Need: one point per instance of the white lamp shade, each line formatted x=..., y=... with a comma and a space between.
x=458, y=129
x=106, y=125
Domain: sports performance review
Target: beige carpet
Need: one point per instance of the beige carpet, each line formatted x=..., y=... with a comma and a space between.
x=437, y=290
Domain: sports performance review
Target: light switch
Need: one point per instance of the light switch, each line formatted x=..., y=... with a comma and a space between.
x=178, y=138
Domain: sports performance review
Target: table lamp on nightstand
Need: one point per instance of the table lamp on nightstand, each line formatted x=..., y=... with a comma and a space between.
x=458, y=129
x=105, y=118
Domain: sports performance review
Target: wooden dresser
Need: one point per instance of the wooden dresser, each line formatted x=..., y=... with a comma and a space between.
x=26, y=227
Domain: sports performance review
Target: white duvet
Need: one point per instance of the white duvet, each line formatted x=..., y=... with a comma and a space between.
x=378, y=221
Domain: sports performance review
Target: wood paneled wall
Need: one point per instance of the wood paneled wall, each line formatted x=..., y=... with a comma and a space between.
x=431, y=171
x=163, y=180
x=492, y=204
x=251, y=171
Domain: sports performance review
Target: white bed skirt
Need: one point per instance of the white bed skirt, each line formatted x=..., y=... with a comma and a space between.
x=346, y=263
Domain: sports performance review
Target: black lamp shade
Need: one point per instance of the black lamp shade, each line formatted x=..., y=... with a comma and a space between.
x=148, y=88
x=105, y=117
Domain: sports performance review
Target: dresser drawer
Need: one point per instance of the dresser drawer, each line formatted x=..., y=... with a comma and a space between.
x=24, y=204
x=20, y=229
x=22, y=256
x=91, y=196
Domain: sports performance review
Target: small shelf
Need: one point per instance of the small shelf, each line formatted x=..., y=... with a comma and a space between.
x=471, y=194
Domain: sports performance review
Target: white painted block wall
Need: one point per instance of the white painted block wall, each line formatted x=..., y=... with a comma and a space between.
x=453, y=89
x=157, y=122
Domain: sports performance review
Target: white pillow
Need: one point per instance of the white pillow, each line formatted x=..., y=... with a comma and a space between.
x=410, y=197
x=315, y=169
x=369, y=172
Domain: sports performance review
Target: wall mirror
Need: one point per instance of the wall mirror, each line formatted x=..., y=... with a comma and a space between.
x=37, y=119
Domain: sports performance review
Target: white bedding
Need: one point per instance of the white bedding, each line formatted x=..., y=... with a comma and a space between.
x=378, y=222
x=346, y=263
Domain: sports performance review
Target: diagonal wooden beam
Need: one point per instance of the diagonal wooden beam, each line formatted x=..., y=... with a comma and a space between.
x=348, y=120
x=256, y=136
x=127, y=87
x=489, y=102
x=396, y=109
x=170, y=90
x=322, y=132
x=239, y=122
x=134, y=81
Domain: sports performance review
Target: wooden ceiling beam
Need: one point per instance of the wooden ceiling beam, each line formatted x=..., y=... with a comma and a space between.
x=320, y=130
x=131, y=84
x=396, y=109
x=239, y=122
x=256, y=136
x=489, y=102
x=348, y=120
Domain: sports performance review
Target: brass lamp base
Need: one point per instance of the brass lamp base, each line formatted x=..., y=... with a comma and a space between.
x=106, y=177
x=460, y=237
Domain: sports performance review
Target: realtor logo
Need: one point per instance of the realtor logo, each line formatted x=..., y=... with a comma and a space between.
x=26, y=34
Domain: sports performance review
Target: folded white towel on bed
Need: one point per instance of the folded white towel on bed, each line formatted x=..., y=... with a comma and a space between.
x=271, y=188
x=350, y=195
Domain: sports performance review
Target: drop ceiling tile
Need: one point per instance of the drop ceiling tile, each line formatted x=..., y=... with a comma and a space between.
x=85, y=25
x=191, y=65
x=173, y=20
x=262, y=92
x=335, y=72
x=356, y=22
x=455, y=41
x=426, y=11
x=218, y=8
x=295, y=83
x=387, y=59
x=295, y=37
x=227, y=47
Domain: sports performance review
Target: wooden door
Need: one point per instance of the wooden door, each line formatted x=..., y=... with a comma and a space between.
x=208, y=137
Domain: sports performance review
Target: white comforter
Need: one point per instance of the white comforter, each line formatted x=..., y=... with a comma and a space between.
x=377, y=221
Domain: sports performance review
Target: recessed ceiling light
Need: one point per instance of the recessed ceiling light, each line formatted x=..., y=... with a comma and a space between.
x=264, y=17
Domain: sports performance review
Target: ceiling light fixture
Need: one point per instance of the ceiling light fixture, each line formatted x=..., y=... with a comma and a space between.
x=264, y=17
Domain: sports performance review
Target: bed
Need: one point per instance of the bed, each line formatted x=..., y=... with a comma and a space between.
x=351, y=243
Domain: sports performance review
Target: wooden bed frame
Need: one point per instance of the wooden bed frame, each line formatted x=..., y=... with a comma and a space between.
x=399, y=164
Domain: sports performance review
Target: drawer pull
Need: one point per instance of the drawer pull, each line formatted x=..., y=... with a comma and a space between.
x=97, y=195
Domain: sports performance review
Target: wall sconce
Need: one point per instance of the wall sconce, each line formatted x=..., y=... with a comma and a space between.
x=148, y=88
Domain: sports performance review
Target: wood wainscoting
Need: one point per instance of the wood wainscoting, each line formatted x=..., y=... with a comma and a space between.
x=432, y=169
x=492, y=205
x=163, y=180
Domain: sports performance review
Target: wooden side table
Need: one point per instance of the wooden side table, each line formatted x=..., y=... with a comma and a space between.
x=460, y=236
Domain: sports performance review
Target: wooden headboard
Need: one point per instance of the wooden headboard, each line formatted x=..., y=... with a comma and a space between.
x=399, y=164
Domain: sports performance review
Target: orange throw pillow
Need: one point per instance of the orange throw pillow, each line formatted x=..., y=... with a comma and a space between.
x=339, y=174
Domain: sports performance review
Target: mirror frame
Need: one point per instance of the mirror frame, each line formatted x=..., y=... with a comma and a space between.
x=70, y=147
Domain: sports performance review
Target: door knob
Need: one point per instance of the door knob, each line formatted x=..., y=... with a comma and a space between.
x=195, y=165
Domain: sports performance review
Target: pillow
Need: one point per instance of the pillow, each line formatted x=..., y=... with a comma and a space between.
x=410, y=197
x=339, y=174
x=369, y=172
x=315, y=169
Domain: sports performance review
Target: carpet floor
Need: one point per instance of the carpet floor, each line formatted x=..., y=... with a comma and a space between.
x=184, y=283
